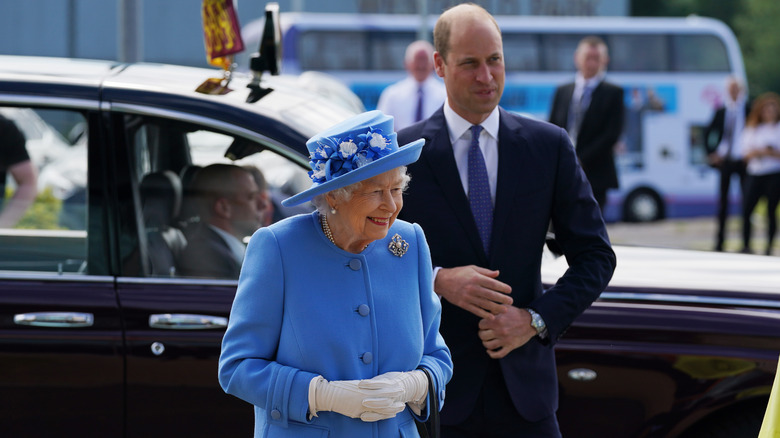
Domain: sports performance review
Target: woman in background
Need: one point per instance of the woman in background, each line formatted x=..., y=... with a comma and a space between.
x=760, y=143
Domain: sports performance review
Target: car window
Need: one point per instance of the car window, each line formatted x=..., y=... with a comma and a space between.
x=175, y=202
x=43, y=183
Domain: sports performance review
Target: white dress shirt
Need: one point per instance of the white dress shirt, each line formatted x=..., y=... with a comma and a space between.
x=400, y=100
x=735, y=110
x=759, y=137
x=460, y=137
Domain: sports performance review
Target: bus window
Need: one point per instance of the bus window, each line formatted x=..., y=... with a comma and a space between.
x=700, y=53
x=623, y=55
x=389, y=49
x=521, y=52
x=558, y=51
x=315, y=50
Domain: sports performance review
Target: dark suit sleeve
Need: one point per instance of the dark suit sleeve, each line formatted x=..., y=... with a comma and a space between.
x=559, y=110
x=582, y=235
x=714, y=131
x=612, y=114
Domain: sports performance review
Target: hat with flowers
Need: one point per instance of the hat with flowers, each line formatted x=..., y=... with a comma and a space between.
x=354, y=150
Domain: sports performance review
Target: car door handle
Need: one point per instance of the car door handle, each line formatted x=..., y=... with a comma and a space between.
x=183, y=321
x=55, y=319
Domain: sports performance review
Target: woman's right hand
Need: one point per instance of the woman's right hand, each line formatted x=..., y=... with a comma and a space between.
x=347, y=398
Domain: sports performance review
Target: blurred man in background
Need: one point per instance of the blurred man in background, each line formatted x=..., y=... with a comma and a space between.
x=721, y=141
x=418, y=95
x=230, y=209
x=591, y=110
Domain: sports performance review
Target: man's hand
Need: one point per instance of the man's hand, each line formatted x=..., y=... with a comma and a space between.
x=474, y=289
x=506, y=331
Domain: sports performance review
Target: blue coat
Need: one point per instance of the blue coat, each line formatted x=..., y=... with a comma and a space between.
x=305, y=308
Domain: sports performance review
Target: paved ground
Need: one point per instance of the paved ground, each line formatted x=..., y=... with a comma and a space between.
x=694, y=233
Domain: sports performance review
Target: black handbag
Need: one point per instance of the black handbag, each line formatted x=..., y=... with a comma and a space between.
x=430, y=428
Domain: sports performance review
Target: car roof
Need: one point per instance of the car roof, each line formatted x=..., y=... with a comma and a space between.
x=292, y=112
x=680, y=270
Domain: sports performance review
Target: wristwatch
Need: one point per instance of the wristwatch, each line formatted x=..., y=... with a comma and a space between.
x=538, y=323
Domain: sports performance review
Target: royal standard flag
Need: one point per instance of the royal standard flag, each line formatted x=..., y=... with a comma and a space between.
x=770, y=428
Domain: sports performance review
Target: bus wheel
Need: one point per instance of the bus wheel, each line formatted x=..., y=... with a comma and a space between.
x=643, y=205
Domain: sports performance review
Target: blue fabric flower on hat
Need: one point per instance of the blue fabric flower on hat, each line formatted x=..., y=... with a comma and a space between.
x=337, y=156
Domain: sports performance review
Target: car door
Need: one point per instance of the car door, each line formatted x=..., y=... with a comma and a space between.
x=175, y=324
x=61, y=348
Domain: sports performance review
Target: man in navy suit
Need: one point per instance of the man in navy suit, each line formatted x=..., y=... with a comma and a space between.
x=485, y=189
x=591, y=110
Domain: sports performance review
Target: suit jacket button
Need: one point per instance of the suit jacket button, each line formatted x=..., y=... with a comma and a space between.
x=355, y=264
x=364, y=310
x=275, y=414
x=367, y=357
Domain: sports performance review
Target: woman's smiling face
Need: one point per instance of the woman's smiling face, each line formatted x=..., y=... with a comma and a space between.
x=369, y=213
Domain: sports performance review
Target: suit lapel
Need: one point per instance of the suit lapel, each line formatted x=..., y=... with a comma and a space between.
x=512, y=147
x=595, y=101
x=440, y=160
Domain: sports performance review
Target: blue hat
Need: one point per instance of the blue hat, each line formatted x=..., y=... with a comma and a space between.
x=354, y=150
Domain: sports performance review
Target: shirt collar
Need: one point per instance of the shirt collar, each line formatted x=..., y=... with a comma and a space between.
x=580, y=82
x=458, y=126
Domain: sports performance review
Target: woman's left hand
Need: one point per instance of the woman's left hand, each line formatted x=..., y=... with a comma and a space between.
x=413, y=386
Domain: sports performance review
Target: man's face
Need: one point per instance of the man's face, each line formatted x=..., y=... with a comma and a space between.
x=590, y=60
x=473, y=72
x=421, y=65
x=245, y=210
x=734, y=90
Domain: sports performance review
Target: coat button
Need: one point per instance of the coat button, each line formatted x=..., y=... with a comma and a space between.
x=364, y=310
x=355, y=264
x=367, y=357
x=275, y=414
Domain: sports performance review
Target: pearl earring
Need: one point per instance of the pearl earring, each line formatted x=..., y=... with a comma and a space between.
x=332, y=210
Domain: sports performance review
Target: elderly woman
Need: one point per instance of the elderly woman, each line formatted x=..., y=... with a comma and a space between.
x=334, y=330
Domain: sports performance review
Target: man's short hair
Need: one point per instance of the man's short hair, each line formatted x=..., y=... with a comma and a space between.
x=593, y=41
x=213, y=182
x=443, y=27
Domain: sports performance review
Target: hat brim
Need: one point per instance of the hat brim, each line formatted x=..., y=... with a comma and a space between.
x=406, y=154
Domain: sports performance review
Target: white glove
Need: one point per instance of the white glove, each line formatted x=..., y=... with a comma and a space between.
x=414, y=385
x=346, y=398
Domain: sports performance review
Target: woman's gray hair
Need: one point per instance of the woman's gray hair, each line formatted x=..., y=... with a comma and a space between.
x=345, y=193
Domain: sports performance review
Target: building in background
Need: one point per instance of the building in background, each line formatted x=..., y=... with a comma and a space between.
x=171, y=31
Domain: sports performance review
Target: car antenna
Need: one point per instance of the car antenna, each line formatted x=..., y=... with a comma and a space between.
x=269, y=53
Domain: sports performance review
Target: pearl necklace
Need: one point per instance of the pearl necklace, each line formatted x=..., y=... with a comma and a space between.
x=326, y=228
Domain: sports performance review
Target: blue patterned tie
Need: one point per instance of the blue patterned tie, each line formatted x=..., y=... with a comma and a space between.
x=479, y=190
x=418, y=114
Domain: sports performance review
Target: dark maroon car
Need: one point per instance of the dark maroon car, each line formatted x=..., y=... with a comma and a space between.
x=681, y=344
x=100, y=335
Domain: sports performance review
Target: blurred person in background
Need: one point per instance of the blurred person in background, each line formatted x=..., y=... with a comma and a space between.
x=591, y=110
x=760, y=145
x=15, y=161
x=226, y=196
x=721, y=139
x=418, y=95
x=264, y=201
